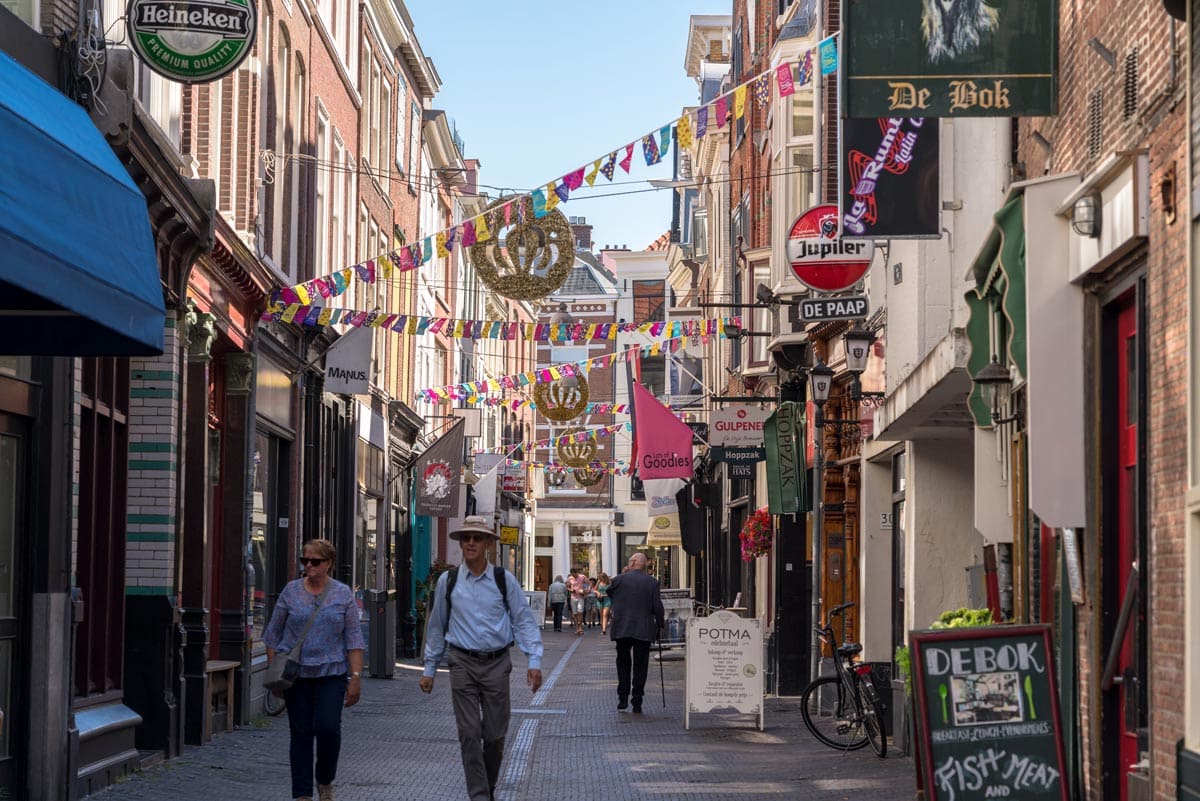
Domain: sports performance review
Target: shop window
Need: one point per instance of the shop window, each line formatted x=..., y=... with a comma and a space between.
x=100, y=560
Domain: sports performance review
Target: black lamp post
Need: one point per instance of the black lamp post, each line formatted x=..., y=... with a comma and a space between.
x=993, y=380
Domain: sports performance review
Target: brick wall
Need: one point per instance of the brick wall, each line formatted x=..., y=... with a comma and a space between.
x=1154, y=118
x=153, y=469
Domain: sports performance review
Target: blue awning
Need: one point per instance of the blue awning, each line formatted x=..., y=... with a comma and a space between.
x=78, y=271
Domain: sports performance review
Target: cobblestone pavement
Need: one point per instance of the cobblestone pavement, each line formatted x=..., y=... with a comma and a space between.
x=568, y=741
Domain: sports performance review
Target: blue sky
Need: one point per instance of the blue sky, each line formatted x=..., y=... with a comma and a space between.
x=537, y=89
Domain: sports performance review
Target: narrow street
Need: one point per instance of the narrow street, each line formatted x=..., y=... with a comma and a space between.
x=568, y=741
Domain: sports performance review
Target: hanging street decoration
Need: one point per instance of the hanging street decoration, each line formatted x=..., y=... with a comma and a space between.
x=562, y=400
x=532, y=259
x=482, y=228
x=453, y=328
x=545, y=375
x=586, y=477
x=575, y=453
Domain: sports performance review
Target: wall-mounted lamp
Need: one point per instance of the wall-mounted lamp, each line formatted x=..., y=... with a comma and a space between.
x=1167, y=193
x=858, y=342
x=1085, y=215
x=820, y=381
x=1041, y=141
x=737, y=332
x=1110, y=58
x=993, y=380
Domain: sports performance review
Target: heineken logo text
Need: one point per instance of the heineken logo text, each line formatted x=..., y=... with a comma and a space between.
x=203, y=18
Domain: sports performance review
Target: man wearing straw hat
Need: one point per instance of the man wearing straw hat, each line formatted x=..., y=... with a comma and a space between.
x=478, y=612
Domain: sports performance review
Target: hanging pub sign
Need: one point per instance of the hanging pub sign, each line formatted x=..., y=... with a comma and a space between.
x=987, y=714
x=888, y=178
x=822, y=260
x=191, y=41
x=736, y=436
x=950, y=58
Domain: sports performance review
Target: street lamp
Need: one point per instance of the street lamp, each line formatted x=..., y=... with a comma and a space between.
x=858, y=342
x=993, y=381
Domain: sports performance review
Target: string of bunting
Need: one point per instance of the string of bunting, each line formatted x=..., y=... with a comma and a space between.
x=685, y=130
x=580, y=436
x=520, y=403
x=418, y=325
x=545, y=375
x=558, y=467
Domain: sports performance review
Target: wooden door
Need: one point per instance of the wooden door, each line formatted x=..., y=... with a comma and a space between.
x=542, y=565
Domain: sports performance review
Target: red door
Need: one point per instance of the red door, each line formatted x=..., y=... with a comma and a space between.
x=1128, y=412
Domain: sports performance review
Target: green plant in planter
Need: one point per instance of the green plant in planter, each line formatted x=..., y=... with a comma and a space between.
x=963, y=618
x=903, y=660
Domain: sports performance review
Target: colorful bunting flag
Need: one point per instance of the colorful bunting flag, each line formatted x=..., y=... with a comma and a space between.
x=552, y=196
x=650, y=150
x=482, y=234
x=783, y=77
x=468, y=237
x=442, y=251
x=722, y=110
x=683, y=131
x=628, y=157
x=739, y=102
x=762, y=89
x=806, y=69
x=610, y=166
x=563, y=192
x=664, y=141
x=829, y=56
x=591, y=176
x=539, y=204
x=702, y=122
x=573, y=180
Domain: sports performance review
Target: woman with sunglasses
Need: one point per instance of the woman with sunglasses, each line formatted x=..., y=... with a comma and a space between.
x=331, y=659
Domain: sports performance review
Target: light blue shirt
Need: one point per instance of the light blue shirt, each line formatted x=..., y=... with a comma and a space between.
x=478, y=621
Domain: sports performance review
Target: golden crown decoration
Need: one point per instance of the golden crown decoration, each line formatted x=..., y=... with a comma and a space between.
x=586, y=477
x=562, y=400
x=533, y=256
x=576, y=454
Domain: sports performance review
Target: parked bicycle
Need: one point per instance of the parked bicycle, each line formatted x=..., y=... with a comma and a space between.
x=843, y=710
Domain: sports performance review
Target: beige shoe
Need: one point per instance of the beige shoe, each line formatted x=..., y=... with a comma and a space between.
x=324, y=792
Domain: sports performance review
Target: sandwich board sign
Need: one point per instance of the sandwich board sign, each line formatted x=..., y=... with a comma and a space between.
x=987, y=714
x=724, y=666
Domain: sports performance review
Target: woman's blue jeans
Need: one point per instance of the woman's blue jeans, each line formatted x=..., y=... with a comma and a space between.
x=314, y=708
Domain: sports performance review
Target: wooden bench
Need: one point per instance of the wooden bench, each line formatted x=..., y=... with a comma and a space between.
x=222, y=676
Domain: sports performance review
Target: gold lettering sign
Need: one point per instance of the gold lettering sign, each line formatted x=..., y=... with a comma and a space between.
x=906, y=96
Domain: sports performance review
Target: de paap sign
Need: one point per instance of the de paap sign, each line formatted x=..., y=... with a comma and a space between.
x=822, y=259
x=192, y=41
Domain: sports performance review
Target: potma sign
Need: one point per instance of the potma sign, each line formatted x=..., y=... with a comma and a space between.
x=189, y=41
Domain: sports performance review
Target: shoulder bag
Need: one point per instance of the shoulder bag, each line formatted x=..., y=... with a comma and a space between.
x=285, y=667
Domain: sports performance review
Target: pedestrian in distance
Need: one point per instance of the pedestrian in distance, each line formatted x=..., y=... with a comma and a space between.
x=557, y=596
x=591, y=615
x=579, y=593
x=331, y=659
x=478, y=612
x=603, y=602
x=637, y=618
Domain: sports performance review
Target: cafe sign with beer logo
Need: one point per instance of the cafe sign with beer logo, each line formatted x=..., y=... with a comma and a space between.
x=820, y=258
x=191, y=41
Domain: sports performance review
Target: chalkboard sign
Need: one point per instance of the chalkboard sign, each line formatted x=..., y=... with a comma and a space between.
x=987, y=713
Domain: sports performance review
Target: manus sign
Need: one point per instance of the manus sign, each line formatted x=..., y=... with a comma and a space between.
x=191, y=41
x=950, y=58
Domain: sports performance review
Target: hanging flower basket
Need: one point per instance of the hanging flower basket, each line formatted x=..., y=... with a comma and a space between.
x=756, y=535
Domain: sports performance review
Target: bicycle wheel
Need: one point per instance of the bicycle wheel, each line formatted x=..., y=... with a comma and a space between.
x=273, y=704
x=831, y=715
x=872, y=715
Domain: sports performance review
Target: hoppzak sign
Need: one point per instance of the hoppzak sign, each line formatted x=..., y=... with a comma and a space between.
x=987, y=713
x=820, y=258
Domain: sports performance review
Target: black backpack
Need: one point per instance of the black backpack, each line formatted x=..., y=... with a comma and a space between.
x=501, y=582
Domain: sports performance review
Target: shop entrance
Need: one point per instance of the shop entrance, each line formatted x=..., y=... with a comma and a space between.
x=1123, y=547
x=14, y=450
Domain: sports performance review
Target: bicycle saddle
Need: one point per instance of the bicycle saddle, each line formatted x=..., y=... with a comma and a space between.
x=849, y=649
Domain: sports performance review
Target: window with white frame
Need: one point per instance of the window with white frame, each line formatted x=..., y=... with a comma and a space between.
x=414, y=144
x=401, y=128
x=382, y=170
x=700, y=233
x=337, y=232
x=762, y=318
x=293, y=167
x=321, y=229
x=371, y=140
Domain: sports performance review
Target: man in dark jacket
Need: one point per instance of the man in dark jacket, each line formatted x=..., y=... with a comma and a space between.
x=637, y=616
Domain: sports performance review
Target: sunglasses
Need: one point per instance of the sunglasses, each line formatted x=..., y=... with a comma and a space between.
x=473, y=537
x=307, y=560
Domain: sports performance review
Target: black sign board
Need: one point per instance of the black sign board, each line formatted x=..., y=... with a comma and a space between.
x=961, y=59
x=741, y=469
x=851, y=307
x=888, y=178
x=737, y=455
x=987, y=714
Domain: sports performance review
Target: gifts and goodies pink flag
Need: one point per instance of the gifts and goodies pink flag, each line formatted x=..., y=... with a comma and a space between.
x=664, y=444
x=783, y=77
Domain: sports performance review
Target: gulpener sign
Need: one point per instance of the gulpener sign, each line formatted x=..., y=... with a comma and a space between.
x=822, y=260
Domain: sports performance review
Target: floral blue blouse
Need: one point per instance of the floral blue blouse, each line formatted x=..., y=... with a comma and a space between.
x=335, y=631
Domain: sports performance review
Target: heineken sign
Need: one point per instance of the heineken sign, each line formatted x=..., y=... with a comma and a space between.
x=950, y=58
x=191, y=41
